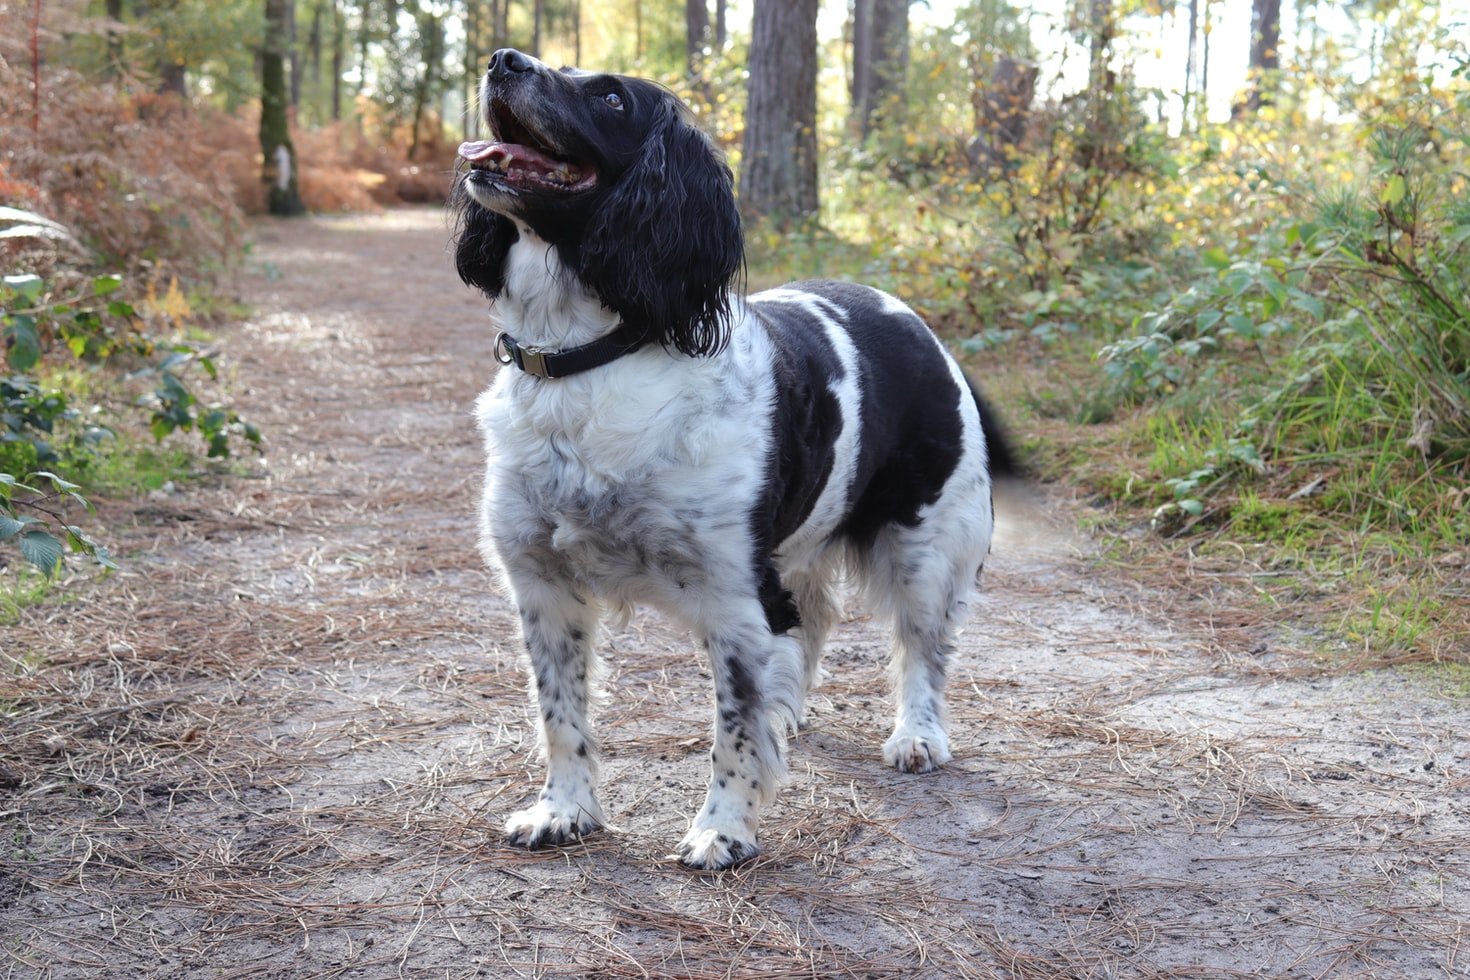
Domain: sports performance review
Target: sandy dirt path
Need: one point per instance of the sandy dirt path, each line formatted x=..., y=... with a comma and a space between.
x=281, y=741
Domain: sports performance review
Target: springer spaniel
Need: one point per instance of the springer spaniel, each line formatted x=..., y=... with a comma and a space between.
x=656, y=438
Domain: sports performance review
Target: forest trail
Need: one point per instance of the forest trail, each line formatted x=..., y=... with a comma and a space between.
x=281, y=741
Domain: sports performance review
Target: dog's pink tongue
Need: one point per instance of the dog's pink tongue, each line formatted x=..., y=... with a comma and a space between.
x=478, y=151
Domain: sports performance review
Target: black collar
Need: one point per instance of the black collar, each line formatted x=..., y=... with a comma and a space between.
x=545, y=363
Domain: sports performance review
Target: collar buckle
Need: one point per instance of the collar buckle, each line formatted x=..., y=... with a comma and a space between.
x=533, y=361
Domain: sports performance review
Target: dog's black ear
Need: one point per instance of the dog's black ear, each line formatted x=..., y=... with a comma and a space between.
x=482, y=238
x=665, y=247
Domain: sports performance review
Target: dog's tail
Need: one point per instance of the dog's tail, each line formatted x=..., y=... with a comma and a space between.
x=1003, y=460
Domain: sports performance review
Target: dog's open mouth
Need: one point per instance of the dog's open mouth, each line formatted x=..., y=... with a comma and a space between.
x=520, y=160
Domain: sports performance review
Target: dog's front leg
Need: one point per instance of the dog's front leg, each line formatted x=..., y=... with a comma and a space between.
x=757, y=697
x=559, y=625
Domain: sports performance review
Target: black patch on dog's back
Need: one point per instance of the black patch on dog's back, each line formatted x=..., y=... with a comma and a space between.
x=805, y=423
x=911, y=435
x=806, y=420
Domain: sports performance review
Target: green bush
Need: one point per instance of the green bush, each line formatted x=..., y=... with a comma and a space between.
x=41, y=431
x=1341, y=339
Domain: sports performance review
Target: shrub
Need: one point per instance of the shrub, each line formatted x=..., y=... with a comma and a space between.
x=1340, y=339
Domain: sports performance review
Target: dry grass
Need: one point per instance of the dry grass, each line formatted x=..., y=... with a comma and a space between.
x=159, y=188
x=283, y=738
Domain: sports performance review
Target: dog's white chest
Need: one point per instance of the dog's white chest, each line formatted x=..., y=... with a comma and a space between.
x=626, y=481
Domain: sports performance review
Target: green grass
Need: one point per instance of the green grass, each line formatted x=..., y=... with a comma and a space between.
x=1450, y=680
x=21, y=587
x=133, y=469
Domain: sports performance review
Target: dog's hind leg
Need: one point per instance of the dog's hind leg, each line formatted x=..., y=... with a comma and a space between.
x=816, y=601
x=923, y=644
x=931, y=572
x=559, y=626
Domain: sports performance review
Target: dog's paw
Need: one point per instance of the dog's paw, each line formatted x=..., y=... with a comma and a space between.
x=544, y=825
x=714, y=849
x=916, y=751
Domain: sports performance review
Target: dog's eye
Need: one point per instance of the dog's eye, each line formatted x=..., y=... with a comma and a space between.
x=613, y=99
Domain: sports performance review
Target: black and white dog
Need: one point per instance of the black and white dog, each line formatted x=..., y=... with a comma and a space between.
x=656, y=439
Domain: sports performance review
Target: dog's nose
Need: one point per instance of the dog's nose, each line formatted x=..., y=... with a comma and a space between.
x=508, y=61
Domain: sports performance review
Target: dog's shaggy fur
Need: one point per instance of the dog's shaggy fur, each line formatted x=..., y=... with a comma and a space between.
x=729, y=465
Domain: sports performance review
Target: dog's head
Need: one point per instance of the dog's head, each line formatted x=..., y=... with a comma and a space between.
x=611, y=172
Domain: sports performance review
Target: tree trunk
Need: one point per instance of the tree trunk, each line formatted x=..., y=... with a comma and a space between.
x=1204, y=59
x=537, y=10
x=293, y=57
x=1001, y=109
x=431, y=36
x=879, y=63
x=1191, y=60
x=722, y=34
x=696, y=35
x=173, y=77
x=1265, y=60
x=339, y=45
x=1101, y=30
x=278, y=156
x=314, y=58
x=364, y=38
x=473, y=25
x=114, y=39
x=778, y=170
x=862, y=56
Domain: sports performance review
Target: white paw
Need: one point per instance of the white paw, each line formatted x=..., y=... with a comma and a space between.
x=549, y=825
x=715, y=849
x=916, y=750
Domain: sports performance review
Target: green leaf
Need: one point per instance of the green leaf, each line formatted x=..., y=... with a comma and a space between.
x=1216, y=258
x=106, y=285
x=1394, y=191
x=29, y=286
x=1192, y=506
x=213, y=420
x=79, y=542
x=56, y=481
x=1276, y=288
x=24, y=342
x=10, y=527
x=1308, y=304
x=1242, y=326
x=41, y=549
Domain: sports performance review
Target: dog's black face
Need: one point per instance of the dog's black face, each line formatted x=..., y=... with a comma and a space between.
x=609, y=171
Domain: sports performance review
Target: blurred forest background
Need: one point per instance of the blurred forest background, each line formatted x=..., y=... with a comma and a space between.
x=1209, y=258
